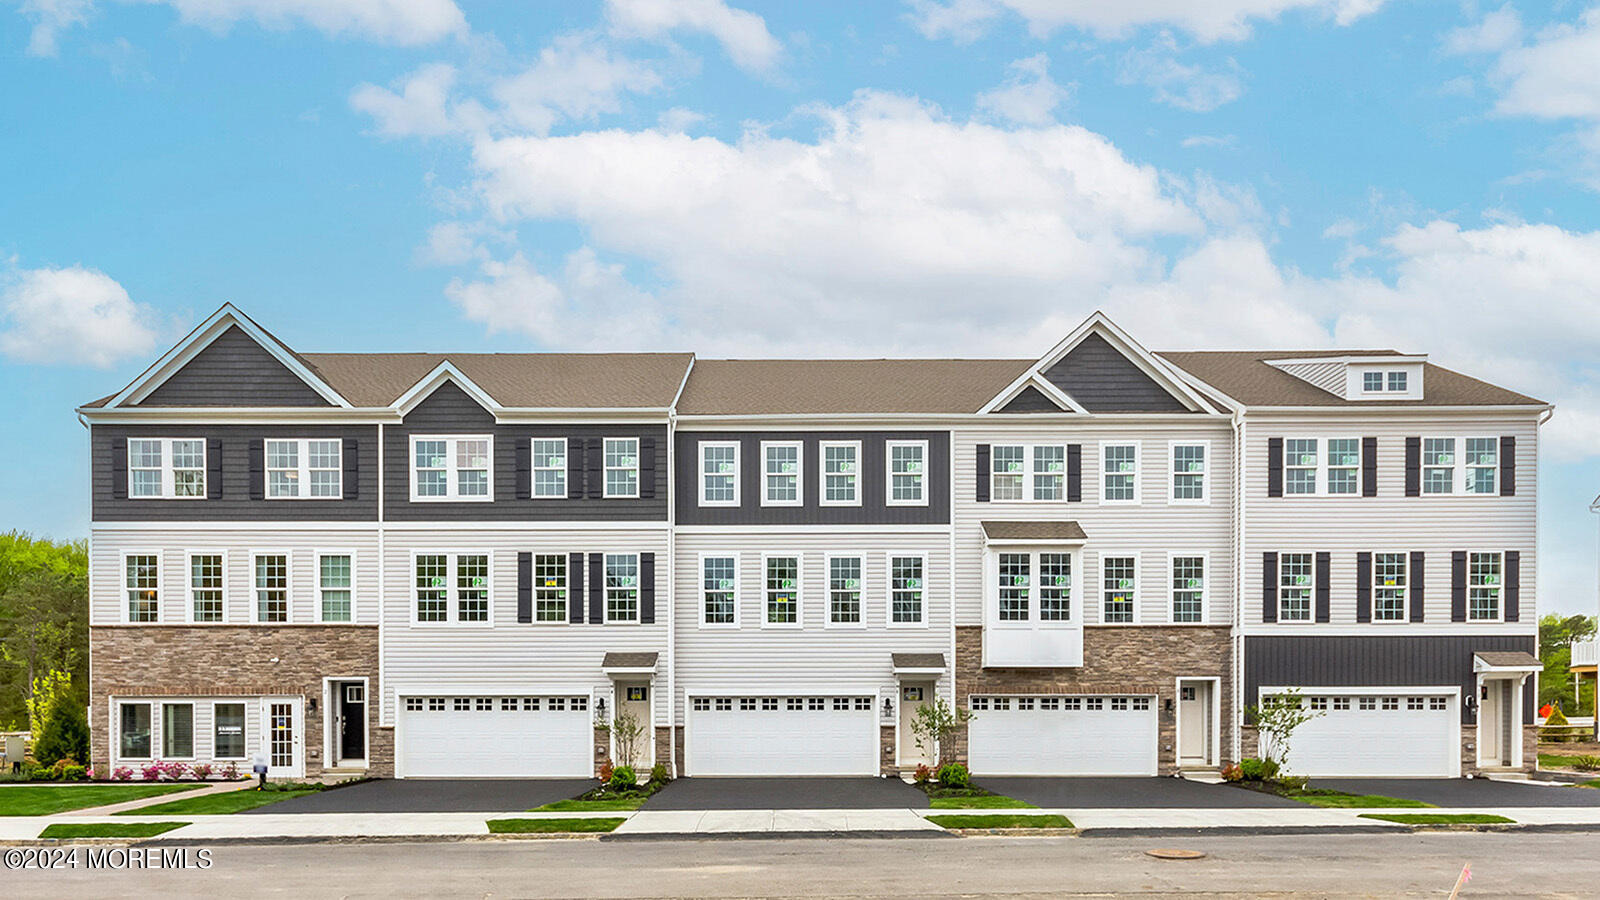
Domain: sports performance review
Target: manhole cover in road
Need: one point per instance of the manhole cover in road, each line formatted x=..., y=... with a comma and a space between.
x=1170, y=853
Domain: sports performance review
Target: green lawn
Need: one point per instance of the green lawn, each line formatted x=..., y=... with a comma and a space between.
x=1441, y=818
x=552, y=826
x=1341, y=800
x=1555, y=761
x=1591, y=784
x=613, y=805
x=990, y=801
x=45, y=799
x=215, y=804
x=110, y=830
x=1001, y=821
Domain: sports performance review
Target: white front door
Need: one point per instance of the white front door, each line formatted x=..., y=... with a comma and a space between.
x=1194, y=723
x=523, y=736
x=1498, y=718
x=283, y=737
x=633, y=697
x=782, y=736
x=1406, y=733
x=912, y=698
x=1100, y=735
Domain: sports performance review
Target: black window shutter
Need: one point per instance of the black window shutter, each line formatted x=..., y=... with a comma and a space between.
x=258, y=476
x=119, y=468
x=1508, y=466
x=1363, y=587
x=1269, y=587
x=597, y=589
x=1418, y=574
x=1413, y=467
x=595, y=475
x=524, y=455
x=1274, y=467
x=1324, y=565
x=525, y=587
x=647, y=588
x=1369, y=467
x=983, y=473
x=213, y=469
x=352, y=468
x=1513, y=585
x=575, y=588
x=647, y=468
x=575, y=473
x=1074, y=473
x=1458, y=586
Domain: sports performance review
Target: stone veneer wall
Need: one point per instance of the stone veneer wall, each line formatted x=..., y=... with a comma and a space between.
x=235, y=660
x=888, y=761
x=664, y=747
x=1145, y=659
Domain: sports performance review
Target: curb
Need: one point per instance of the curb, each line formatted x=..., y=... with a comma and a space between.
x=885, y=834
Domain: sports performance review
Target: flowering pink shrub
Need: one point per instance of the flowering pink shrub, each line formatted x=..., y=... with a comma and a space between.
x=201, y=771
x=153, y=771
x=122, y=773
x=174, y=771
x=230, y=772
x=89, y=773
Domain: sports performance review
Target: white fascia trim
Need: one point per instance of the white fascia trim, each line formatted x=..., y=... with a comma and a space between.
x=1381, y=359
x=556, y=415
x=1043, y=385
x=444, y=371
x=885, y=530
x=1394, y=407
x=910, y=421
x=302, y=526
x=201, y=337
x=229, y=415
x=1388, y=629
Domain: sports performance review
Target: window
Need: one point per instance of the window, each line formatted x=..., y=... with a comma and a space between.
x=460, y=582
x=622, y=467
x=433, y=604
x=177, y=730
x=205, y=587
x=227, y=731
x=550, y=587
x=1055, y=587
x=304, y=469
x=272, y=587
x=781, y=472
x=472, y=588
x=1049, y=472
x=906, y=469
x=783, y=590
x=1188, y=588
x=1344, y=461
x=167, y=468
x=451, y=468
x=1120, y=479
x=719, y=588
x=1019, y=473
x=1300, y=466
x=1397, y=382
x=1438, y=465
x=142, y=586
x=905, y=590
x=1389, y=587
x=333, y=587
x=840, y=467
x=1294, y=587
x=719, y=474
x=133, y=735
x=1015, y=585
x=1007, y=463
x=1371, y=381
x=1119, y=575
x=1483, y=587
x=622, y=587
x=549, y=468
x=1318, y=467
x=1483, y=460
x=1019, y=593
x=844, y=590
x=1189, y=473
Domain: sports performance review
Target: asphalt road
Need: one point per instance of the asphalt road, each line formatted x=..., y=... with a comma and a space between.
x=1387, y=865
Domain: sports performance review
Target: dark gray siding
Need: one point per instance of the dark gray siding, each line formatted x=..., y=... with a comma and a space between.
x=234, y=370
x=1101, y=379
x=1378, y=661
x=1030, y=400
x=235, y=503
x=872, y=511
x=449, y=410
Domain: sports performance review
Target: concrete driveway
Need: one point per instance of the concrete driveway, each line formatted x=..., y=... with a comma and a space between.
x=788, y=793
x=434, y=795
x=1465, y=792
x=1129, y=793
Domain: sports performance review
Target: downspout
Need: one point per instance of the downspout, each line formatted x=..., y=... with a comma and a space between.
x=672, y=594
x=385, y=708
x=1236, y=639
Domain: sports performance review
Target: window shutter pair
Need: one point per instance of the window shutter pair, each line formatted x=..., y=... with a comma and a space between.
x=1074, y=491
x=1369, y=467
x=578, y=450
x=1510, y=590
x=1416, y=577
x=1269, y=586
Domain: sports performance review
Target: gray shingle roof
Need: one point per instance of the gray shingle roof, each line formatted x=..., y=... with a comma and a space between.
x=1246, y=376
x=917, y=660
x=628, y=661
x=1034, y=531
x=735, y=387
x=542, y=380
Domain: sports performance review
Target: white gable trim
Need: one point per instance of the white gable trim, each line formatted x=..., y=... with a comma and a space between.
x=1043, y=385
x=200, y=338
x=443, y=372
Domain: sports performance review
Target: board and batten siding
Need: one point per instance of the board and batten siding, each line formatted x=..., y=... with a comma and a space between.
x=1390, y=522
x=1151, y=528
x=505, y=656
x=173, y=545
x=752, y=660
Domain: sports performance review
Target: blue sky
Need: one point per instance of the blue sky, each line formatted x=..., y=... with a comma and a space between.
x=956, y=177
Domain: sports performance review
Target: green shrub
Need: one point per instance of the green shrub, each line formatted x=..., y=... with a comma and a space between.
x=954, y=775
x=65, y=734
x=1252, y=769
x=922, y=774
x=74, y=773
x=658, y=774
x=623, y=778
x=1585, y=763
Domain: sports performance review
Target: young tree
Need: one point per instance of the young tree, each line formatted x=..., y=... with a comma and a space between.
x=1276, y=720
x=65, y=734
x=934, y=726
x=627, y=734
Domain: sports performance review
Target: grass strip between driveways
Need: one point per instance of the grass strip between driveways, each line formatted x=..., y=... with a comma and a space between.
x=1440, y=818
x=552, y=826
x=219, y=804
x=46, y=799
x=1558, y=761
x=1001, y=821
x=110, y=829
x=616, y=804
x=989, y=801
x=1341, y=800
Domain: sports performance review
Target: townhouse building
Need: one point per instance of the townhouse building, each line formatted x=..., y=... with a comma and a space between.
x=430, y=564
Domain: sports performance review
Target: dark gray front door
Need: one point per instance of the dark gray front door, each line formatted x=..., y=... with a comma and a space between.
x=352, y=721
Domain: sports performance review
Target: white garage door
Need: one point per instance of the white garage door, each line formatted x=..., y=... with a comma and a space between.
x=523, y=736
x=1384, y=734
x=1062, y=735
x=833, y=735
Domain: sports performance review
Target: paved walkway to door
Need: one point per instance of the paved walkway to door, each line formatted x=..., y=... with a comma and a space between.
x=1130, y=793
x=705, y=793
x=433, y=795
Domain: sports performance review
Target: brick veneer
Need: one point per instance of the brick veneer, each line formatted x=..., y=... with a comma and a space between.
x=235, y=660
x=1144, y=659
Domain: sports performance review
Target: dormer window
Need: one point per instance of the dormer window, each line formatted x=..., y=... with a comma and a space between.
x=1397, y=382
x=1372, y=381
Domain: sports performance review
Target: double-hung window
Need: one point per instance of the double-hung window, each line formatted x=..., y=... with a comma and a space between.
x=452, y=587
x=622, y=467
x=452, y=468
x=719, y=590
x=1055, y=587
x=1322, y=467
x=1015, y=586
x=1438, y=465
x=622, y=587
x=1300, y=466
x=549, y=468
x=1482, y=465
x=1119, y=481
x=1009, y=465
x=719, y=473
x=335, y=583
x=1188, y=589
x=1389, y=571
x=1344, y=465
x=550, y=587
x=205, y=587
x=905, y=590
x=305, y=469
x=1049, y=472
x=782, y=589
x=782, y=484
x=907, y=461
x=1033, y=586
x=1294, y=587
x=1484, y=572
x=272, y=587
x=1189, y=463
x=1119, y=587
x=142, y=586
x=841, y=461
x=167, y=468
x=177, y=730
x=844, y=590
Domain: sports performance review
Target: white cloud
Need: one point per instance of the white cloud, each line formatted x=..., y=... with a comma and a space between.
x=742, y=34
x=679, y=119
x=1187, y=87
x=1219, y=141
x=592, y=304
x=421, y=107
x=404, y=22
x=71, y=316
x=1205, y=20
x=1557, y=76
x=1496, y=31
x=1029, y=96
x=51, y=17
